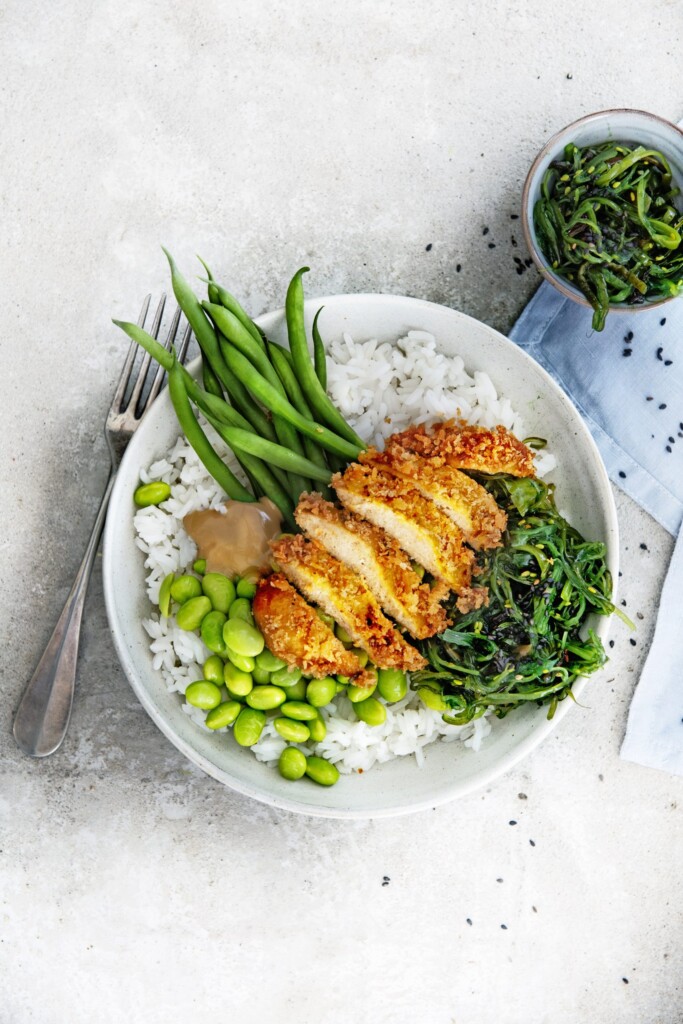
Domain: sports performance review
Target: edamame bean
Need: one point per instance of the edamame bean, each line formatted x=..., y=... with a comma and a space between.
x=190, y=614
x=224, y=714
x=298, y=710
x=324, y=617
x=213, y=670
x=260, y=675
x=151, y=494
x=342, y=635
x=287, y=676
x=297, y=691
x=266, y=698
x=320, y=692
x=242, y=638
x=199, y=566
x=321, y=771
x=317, y=728
x=359, y=693
x=246, y=588
x=242, y=661
x=392, y=684
x=371, y=711
x=431, y=699
x=249, y=726
x=361, y=655
x=238, y=682
x=293, y=732
x=241, y=609
x=340, y=686
x=292, y=764
x=212, y=632
x=203, y=694
x=184, y=588
x=165, y=595
x=220, y=591
x=269, y=661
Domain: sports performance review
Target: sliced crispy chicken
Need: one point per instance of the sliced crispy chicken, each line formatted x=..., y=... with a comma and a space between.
x=342, y=594
x=466, y=502
x=468, y=447
x=294, y=632
x=377, y=557
x=420, y=527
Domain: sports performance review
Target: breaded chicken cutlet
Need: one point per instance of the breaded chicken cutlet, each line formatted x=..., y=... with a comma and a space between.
x=415, y=522
x=465, y=501
x=342, y=593
x=294, y=632
x=377, y=557
x=468, y=447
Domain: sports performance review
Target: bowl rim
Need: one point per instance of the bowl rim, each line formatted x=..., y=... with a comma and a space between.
x=477, y=780
x=563, y=286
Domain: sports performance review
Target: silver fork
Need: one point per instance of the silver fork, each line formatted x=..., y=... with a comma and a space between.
x=43, y=714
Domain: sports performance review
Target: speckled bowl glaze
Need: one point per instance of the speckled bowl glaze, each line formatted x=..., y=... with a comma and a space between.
x=451, y=770
x=620, y=125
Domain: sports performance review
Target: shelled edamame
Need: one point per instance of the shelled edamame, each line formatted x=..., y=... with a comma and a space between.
x=244, y=685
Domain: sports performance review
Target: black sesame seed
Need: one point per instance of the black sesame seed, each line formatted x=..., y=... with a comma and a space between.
x=570, y=77
x=485, y=231
x=680, y=426
x=469, y=920
x=643, y=546
x=625, y=981
x=627, y=352
x=623, y=600
x=513, y=241
x=629, y=336
x=672, y=440
x=522, y=796
x=648, y=398
x=668, y=362
x=531, y=842
x=499, y=879
x=385, y=880
x=632, y=641
x=668, y=448
x=428, y=248
x=520, y=270
x=512, y=822
x=622, y=474
x=504, y=927
x=659, y=353
x=458, y=268
x=662, y=321
x=528, y=262
x=680, y=433
x=611, y=643
x=492, y=245
x=514, y=216
x=663, y=405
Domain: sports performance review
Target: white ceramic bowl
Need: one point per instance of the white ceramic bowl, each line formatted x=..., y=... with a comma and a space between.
x=451, y=770
x=622, y=125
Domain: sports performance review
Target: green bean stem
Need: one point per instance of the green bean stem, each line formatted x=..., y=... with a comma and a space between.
x=320, y=404
x=319, y=357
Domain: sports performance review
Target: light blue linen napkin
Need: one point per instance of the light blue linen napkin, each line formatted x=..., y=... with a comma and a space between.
x=627, y=382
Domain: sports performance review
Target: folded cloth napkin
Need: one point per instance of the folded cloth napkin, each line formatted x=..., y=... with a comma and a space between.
x=627, y=382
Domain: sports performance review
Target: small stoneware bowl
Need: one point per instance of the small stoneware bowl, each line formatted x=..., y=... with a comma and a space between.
x=622, y=125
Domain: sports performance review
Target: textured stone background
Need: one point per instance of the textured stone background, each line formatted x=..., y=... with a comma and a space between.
x=264, y=134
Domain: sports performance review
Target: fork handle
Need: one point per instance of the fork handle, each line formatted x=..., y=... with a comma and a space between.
x=43, y=714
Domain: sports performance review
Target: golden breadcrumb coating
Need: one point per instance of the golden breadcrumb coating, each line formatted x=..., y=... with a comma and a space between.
x=342, y=593
x=466, y=502
x=467, y=447
x=294, y=632
x=420, y=527
x=377, y=557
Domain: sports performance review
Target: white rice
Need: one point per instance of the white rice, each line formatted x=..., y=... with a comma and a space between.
x=379, y=388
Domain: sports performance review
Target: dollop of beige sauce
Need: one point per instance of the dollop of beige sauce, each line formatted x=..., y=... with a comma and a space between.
x=236, y=542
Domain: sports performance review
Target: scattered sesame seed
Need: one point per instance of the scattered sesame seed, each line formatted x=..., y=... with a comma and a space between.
x=632, y=641
x=625, y=981
x=629, y=336
x=611, y=643
x=522, y=796
x=668, y=448
x=643, y=546
x=428, y=248
x=504, y=927
x=385, y=880
x=512, y=822
x=528, y=262
x=531, y=842
x=622, y=474
x=659, y=353
x=458, y=268
x=485, y=231
x=648, y=398
x=672, y=440
x=663, y=405
x=662, y=321
x=569, y=76
x=513, y=241
x=514, y=216
x=627, y=352
x=499, y=879
x=668, y=362
x=492, y=245
x=469, y=920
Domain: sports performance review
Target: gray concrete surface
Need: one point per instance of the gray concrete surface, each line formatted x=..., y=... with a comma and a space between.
x=349, y=136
